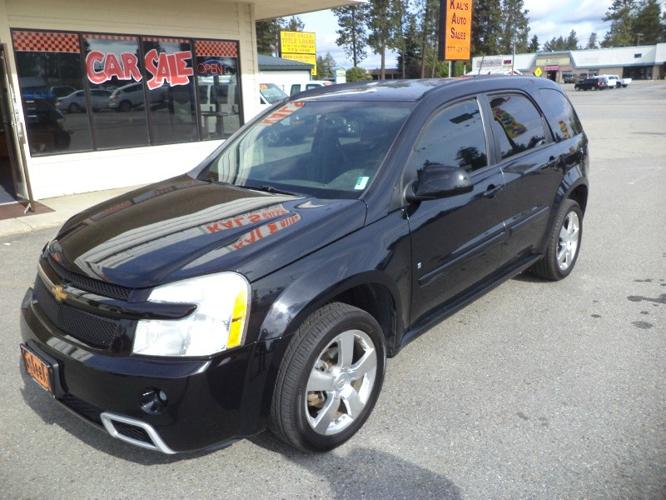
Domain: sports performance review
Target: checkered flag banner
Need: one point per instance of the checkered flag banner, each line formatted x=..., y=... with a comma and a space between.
x=46, y=41
x=216, y=48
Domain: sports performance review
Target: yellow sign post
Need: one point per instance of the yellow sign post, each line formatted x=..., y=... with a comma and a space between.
x=299, y=46
x=538, y=72
x=455, y=42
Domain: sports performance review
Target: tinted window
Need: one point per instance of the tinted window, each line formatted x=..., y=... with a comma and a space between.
x=560, y=115
x=49, y=68
x=517, y=124
x=113, y=64
x=454, y=137
x=295, y=89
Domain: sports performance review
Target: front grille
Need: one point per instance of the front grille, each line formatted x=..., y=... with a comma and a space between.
x=132, y=431
x=89, y=284
x=84, y=409
x=91, y=329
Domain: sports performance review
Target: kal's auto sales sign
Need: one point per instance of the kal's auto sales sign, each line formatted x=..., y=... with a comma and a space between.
x=161, y=67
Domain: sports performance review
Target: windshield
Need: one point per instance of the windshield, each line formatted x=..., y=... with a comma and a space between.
x=271, y=93
x=323, y=149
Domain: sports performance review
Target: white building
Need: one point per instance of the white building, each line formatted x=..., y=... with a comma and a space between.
x=644, y=62
x=99, y=95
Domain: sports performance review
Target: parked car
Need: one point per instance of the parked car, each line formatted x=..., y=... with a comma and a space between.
x=270, y=94
x=568, y=77
x=76, y=101
x=131, y=96
x=593, y=83
x=303, y=86
x=612, y=81
x=267, y=287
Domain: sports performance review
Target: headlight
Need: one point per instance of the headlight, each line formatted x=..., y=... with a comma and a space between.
x=217, y=324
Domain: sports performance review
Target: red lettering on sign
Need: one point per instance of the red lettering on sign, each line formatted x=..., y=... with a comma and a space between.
x=92, y=58
x=131, y=66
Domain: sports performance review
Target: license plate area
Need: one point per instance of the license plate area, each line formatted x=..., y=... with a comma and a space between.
x=39, y=370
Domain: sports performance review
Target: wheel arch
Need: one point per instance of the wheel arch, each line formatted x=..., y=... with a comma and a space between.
x=369, y=291
x=579, y=194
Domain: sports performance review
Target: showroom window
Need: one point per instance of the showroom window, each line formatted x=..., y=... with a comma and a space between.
x=216, y=68
x=51, y=81
x=84, y=91
x=117, y=100
x=170, y=87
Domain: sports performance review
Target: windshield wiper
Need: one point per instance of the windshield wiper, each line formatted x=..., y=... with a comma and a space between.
x=270, y=189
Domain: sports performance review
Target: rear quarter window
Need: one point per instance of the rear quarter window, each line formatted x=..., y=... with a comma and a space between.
x=560, y=115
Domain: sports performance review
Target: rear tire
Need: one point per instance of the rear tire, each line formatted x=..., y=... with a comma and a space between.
x=563, y=246
x=329, y=379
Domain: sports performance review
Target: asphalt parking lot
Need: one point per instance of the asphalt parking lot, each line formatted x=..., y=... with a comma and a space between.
x=536, y=390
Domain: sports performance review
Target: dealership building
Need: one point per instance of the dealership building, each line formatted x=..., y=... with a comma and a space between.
x=643, y=62
x=98, y=95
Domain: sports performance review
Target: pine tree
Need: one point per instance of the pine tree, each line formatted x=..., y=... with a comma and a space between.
x=268, y=33
x=268, y=36
x=409, y=60
x=325, y=66
x=647, y=24
x=621, y=13
x=486, y=27
x=352, y=31
x=515, y=26
x=572, y=41
x=534, y=44
x=400, y=16
x=380, y=29
x=592, y=41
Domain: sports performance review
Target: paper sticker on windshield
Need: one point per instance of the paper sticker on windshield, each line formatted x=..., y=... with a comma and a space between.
x=361, y=182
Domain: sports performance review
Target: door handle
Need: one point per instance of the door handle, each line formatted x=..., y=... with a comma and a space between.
x=491, y=190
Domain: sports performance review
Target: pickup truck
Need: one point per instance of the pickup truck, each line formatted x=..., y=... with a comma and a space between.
x=624, y=82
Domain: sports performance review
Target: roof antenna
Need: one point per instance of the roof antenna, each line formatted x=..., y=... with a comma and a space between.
x=481, y=65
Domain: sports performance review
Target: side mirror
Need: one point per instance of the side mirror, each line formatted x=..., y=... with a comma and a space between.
x=438, y=181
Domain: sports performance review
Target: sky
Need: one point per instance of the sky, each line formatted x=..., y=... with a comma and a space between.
x=548, y=19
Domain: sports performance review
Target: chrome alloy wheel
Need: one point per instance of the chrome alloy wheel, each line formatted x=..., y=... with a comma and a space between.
x=568, y=241
x=341, y=382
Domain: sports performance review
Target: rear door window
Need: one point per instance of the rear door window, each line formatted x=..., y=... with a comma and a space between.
x=560, y=115
x=517, y=124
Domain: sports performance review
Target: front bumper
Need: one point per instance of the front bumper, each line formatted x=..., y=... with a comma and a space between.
x=209, y=402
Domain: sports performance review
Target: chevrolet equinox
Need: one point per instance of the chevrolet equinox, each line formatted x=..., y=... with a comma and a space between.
x=267, y=287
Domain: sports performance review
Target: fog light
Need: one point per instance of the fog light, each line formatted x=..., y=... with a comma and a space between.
x=153, y=401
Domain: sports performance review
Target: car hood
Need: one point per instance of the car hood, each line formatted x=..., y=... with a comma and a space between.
x=185, y=227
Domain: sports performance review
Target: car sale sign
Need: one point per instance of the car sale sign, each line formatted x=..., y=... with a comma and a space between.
x=456, y=30
x=171, y=68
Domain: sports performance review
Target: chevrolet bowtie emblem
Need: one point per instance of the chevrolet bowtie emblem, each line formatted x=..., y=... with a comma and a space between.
x=59, y=293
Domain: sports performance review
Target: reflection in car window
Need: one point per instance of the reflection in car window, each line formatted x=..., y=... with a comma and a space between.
x=325, y=149
x=454, y=138
x=561, y=116
x=517, y=124
x=271, y=92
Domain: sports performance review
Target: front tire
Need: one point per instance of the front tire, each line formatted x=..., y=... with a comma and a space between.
x=563, y=244
x=329, y=379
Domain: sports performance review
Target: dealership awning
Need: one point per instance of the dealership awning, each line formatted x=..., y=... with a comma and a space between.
x=268, y=9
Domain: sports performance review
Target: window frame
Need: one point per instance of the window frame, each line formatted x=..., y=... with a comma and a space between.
x=88, y=90
x=410, y=170
x=548, y=137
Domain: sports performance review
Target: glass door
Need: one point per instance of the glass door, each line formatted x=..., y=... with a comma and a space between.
x=14, y=135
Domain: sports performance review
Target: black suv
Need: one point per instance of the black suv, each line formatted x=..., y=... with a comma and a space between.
x=267, y=287
x=592, y=83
